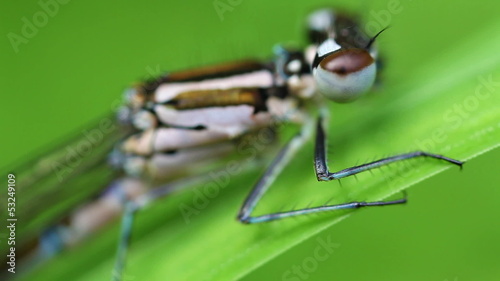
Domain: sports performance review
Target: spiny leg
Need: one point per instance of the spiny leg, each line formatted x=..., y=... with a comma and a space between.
x=279, y=162
x=323, y=174
x=270, y=175
x=321, y=167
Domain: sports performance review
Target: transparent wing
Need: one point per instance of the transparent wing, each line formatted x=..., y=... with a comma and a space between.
x=50, y=186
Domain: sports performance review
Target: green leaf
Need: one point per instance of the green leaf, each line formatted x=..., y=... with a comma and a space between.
x=443, y=104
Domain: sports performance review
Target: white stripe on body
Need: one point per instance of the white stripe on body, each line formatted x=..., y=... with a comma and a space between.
x=240, y=117
x=236, y=118
x=259, y=79
x=166, y=139
x=162, y=166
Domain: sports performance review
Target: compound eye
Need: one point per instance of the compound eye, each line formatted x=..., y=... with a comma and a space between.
x=346, y=74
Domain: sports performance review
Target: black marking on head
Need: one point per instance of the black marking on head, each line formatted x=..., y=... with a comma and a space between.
x=317, y=59
x=348, y=32
x=285, y=57
x=299, y=56
x=321, y=24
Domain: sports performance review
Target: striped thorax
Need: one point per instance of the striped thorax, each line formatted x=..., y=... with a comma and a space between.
x=197, y=114
x=192, y=116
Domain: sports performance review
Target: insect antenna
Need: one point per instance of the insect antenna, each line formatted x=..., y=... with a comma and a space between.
x=375, y=37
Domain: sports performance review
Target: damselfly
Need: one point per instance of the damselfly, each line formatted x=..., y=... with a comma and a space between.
x=174, y=130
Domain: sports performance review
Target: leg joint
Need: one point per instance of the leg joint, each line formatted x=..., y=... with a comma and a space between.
x=245, y=219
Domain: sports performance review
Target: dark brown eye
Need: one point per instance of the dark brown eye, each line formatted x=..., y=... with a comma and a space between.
x=346, y=74
x=346, y=61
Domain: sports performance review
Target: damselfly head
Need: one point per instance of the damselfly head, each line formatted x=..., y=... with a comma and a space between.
x=345, y=74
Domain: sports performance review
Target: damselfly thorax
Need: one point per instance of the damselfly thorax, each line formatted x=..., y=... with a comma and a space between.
x=192, y=116
x=189, y=116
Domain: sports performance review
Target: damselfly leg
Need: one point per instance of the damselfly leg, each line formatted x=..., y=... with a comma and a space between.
x=279, y=162
x=322, y=173
x=133, y=206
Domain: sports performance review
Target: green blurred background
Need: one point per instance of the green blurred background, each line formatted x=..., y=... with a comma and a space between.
x=77, y=64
